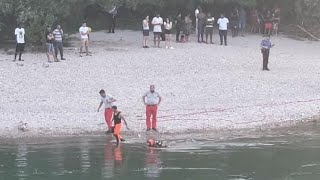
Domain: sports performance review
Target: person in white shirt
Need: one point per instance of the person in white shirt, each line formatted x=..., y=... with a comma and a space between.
x=84, y=35
x=167, y=32
x=157, y=23
x=145, y=31
x=108, y=101
x=196, y=12
x=223, y=29
x=20, y=42
x=152, y=100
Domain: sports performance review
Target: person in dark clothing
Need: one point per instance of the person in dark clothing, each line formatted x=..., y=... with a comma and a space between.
x=117, y=120
x=201, y=25
x=209, y=28
x=234, y=22
x=112, y=19
x=266, y=45
x=179, y=26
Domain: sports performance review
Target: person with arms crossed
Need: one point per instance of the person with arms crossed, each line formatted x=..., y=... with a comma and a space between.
x=84, y=35
x=223, y=29
x=20, y=42
x=209, y=28
x=108, y=101
x=167, y=32
x=58, y=44
x=145, y=31
x=49, y=43
x=157, y=29
x=152, y=100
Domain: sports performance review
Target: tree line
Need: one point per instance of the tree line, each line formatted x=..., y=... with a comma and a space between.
x=36, y=14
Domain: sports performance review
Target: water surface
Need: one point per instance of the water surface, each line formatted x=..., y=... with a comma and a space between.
x=293, y=155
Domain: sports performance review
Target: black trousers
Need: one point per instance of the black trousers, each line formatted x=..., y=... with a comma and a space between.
x=58, y=46
x=200, y=32
x=265, y=56
x=223, y=36
x=112, y=23
x=178, y=33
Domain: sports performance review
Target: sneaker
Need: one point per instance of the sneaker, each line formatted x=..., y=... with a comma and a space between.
x=155, y=129
x=171, y=47
x=143, y=46
x=122, y=140
x=148, y=129
x=57, y=61
x=63, y=59
x=50, y=61
x=147, y=46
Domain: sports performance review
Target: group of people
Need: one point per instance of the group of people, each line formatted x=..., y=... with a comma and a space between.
x=114, y=118
x=162, y=30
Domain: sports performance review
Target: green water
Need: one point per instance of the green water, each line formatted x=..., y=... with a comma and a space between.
x=293, y=155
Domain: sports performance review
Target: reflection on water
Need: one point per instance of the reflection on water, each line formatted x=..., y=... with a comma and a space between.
x=281, y=157
x=153, y=163
x=21, y=162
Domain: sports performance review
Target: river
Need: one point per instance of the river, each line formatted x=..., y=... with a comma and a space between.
x=281, y=155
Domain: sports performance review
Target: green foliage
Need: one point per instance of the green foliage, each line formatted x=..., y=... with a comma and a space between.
x=36, y=14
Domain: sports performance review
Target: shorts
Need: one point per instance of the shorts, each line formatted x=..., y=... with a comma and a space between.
x=167, y=31
x=209, y=30
x=242, y=24
x=145, y=32
x=50, y=48
x=157, y=34
x=84, y=41
x=268, y=25
x=20, y=47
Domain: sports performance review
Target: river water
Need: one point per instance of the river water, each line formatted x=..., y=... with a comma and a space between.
x=282, y=155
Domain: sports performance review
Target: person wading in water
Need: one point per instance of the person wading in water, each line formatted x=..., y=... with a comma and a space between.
x=117, y=120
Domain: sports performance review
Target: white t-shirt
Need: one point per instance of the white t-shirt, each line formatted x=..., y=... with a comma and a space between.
x=19, y=32
x=168, y=26
x=145, y=25
x=196, y=12
x=152, y=98
x=106, y=101
x=223, y=23
x=157, y=22
x=84, y=30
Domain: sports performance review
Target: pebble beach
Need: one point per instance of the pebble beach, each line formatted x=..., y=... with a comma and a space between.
x=204, y=87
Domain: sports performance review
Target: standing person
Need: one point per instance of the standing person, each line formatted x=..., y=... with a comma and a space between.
x=201, y=26
x=112, y=18
x=209, y=27
x=179, y=25
x=117, y=120
x=19, y=33
x=84, y=34
x=188, y=26
x=196, y=12
x=152, y=100
x=223, y=29
x=157, y=23
x=268, y=23
x=234, y=22
x=242, y=20
x=58, y=44
x=145, y=31
x=108, y=101
x=49, y=43
x=167, y=32
x=266, y=45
